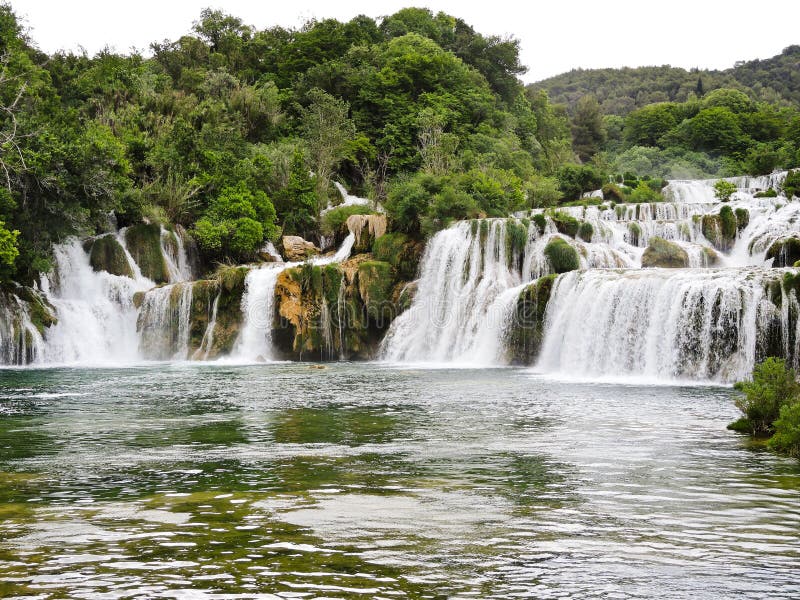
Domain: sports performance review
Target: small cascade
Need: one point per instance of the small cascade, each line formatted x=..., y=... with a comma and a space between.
x=175, y=256
x=258, y=307
x=163, y=322
x=96, y=313
x=708, y=324
x=207, y=343
x=20, y=340
x=347, y=199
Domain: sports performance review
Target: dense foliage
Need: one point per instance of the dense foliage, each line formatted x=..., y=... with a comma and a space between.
x=238, y=133
x=770, y=403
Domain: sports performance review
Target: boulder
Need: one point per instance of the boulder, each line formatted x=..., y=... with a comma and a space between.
x=296, y=249
x=663, y=253
x=785, y=252
x=526, y=331
x=107, y=254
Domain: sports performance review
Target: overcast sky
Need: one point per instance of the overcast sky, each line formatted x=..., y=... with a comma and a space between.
x=555, y=35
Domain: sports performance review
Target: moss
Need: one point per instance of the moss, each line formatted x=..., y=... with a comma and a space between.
x=375, y=288
x=42, y=314
x=562, y=256
x=770, y=193
x=565, y=223
x=516, y=240
x=663, y=253
x=232, y=277
x=586, y=231
x=710, y=257
x=526, y=331
x=138, y=299
x=785, y=252
x=730, y=223
x=541, y=222
x=742, y=218
x=484, y=230
x=144, y=244
x=401, y=252
x=107, y=254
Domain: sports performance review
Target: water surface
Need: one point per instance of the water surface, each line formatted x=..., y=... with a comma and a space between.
x=366, y=481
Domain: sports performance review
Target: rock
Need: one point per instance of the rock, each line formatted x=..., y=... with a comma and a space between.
x=144, y=244
x=296, y=249
x=107, y=254
x=367, y=229
x=720, y=229
x=401, y=252
x=526, y=332
x=663, y=253
x=785, y=252
x=562, y=256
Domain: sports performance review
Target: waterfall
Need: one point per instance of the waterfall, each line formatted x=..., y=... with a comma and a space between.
x=207, y=343
x=20, y=340
x=174, y=252
x=659, y=323
x=163, y=322
x=465, y=271
x=96, y=313
x=258, y=307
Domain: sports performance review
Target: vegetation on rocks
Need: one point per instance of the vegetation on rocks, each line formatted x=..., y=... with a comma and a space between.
x=562, y=256
x=526, y=332
x=663, y=253
x=107, y=254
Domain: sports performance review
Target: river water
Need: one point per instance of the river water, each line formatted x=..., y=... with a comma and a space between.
x=371, y=481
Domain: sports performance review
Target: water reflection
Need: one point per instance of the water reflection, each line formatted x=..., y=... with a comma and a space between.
x=360, y=481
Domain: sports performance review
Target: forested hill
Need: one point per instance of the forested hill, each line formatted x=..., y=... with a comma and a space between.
x=775, y=80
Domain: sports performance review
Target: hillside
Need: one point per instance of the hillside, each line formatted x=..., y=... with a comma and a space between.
x=619, y=91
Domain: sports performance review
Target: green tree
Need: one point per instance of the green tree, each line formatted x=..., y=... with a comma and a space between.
x=8, y=251
x=297, y=202
x=588, y=133
x=723, y=190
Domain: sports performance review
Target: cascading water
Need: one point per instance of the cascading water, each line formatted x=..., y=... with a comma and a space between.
x=612, y=317
x=174, y=251
x=163, y=322
x=20, y=340
x=96, y=313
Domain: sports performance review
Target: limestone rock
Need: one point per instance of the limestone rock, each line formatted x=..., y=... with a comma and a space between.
x=296, y=249
x=663, y=253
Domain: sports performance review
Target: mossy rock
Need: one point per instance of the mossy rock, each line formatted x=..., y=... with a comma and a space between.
x=138, y=299
x=401, y=252
x=720, y=229
x=711, y=258
x=144, y=244
x=784, y=252
x=42, y=314
x=742, y=218
x=562, y=256
x=663, y=253
x=526, y=332
x=540, y=221
x=586, y=231
x=107, y=254
x=565, y=223
x=375, y=283
x=404, y=296
x=634, y=233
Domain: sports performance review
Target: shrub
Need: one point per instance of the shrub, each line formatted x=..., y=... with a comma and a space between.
x=787, y=430
x=773, y=386
x=541, y=222
x=791, y=185
x=770, y=193
x=585, y=231
x=613, y=192
x=742, y=218
x=562, y=256
x=729, y=222
x=723, y=190
x=645, y=193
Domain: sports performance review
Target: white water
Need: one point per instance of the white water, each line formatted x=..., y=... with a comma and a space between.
x=20, y=341
x=612, y=317
x=174, y=252
x=96, y=315
x=163, y=323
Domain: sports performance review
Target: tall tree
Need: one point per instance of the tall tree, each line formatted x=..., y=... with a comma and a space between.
x=588, y=132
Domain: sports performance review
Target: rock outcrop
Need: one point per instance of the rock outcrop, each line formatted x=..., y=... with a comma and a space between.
x=296, y=249
x=663, y=253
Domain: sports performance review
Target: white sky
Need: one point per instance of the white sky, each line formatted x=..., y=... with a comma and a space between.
x=555, y=35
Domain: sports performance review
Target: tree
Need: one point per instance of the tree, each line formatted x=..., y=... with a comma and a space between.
x=8, y=251
x=297, y=203
x=327, y=129
x=236, y=224
x=588, y=133
x=646, y=126
x=723, y=190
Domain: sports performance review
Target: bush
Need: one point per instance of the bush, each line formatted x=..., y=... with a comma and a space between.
x=574, y=180
x=730, y=223
x=787, y=430
x=772, y=387
x=562, y=256
x=742, y=218
x=723, y=190
x=613, y=192
x=645, y=193
x=791, y=185
x=585, y=231
x=770, y=193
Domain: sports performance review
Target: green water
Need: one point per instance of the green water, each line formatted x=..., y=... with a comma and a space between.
x=365, y=481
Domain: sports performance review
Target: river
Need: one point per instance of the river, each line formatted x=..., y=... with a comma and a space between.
x=374, y=481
